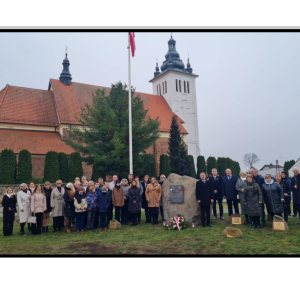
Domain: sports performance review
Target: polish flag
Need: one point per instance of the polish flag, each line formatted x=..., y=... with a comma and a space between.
x=132, y=42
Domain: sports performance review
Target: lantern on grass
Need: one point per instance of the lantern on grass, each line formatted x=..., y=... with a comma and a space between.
x=193, y=224
x=164, y=222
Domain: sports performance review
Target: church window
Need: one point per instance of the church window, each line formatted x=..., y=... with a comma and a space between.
x=184, y=86
x=176, y=85
x=179, y=85
x=188, y=87
x=159, y=90
x=165, y=86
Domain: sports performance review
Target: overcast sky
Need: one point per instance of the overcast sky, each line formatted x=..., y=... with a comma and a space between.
x=247, y=90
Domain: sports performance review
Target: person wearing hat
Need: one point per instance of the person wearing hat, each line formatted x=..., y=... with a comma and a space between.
x=103, y=201
x=118, y=199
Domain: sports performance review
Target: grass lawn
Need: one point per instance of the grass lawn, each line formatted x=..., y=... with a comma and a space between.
x=147, y=239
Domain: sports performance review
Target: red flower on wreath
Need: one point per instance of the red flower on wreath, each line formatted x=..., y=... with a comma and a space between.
x=181, y=189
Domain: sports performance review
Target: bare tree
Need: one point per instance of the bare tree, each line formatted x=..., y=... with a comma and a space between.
x=250, y=159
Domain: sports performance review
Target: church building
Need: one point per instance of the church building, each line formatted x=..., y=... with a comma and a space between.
x=38, y=120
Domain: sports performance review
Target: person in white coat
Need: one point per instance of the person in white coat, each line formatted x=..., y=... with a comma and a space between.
x=23, y=198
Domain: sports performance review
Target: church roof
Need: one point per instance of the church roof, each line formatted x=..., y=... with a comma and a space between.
x=70, y=99
x=36, y=142
x=21, y=105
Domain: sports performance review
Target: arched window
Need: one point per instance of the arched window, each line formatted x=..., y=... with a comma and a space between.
x=159, y=90
x=166, y=86
x=188, y=87
x=179, y=85
x=184, y=86
x=176, y=85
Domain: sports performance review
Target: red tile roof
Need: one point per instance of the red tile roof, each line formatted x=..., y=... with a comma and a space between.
x=27, y=106
x=36, y=142
x=70, y=99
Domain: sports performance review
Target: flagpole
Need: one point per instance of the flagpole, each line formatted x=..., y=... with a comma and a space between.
x=130, y=118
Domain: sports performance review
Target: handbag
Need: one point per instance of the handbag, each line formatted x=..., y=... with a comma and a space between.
x=31, y=220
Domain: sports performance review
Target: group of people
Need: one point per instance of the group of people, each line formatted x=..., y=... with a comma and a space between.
x=252, y=191
x=90, y=205
x=86, y=204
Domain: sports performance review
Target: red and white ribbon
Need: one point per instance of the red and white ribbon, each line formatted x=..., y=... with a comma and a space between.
x=177, y=223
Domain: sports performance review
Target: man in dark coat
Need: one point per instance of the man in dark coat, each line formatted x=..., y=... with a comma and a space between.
x=296, y=191
x=216, y=183
x=230, y=192
x=204, y=196
x=260, y=180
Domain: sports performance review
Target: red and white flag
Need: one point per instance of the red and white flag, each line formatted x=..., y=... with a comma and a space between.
x=132, y=42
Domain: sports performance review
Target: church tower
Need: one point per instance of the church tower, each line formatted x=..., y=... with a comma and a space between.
x=65, y=75
x=177, y=85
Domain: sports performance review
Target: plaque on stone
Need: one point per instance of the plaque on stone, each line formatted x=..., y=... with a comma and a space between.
x=279, y=224
x=176, y=194
x=235, y=219
x=114, y=224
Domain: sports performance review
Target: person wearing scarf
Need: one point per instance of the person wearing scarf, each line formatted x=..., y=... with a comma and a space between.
x=252, y=199
x=80, y=204
x=240, y=184
x=23, y=199
x=118, y=199
x=9, y=202
x=273, y=196
x=134, y=200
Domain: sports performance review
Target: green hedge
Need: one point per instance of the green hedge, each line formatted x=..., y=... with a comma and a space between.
x=8, y=167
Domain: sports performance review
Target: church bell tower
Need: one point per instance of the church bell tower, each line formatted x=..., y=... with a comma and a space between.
x=178, y=87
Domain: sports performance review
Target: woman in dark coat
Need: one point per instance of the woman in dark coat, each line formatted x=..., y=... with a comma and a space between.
x=273, y=196
x=69, y=209
x=47, y=190
x=9, y=202
x=252, y=199
x=287, y=195
x=134, y=199
x=144, y=201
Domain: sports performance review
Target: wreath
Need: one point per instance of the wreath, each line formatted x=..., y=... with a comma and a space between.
x=176, y=223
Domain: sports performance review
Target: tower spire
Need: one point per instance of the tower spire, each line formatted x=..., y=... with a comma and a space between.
x=156, y=73
x=188, y=65
x=65, y=76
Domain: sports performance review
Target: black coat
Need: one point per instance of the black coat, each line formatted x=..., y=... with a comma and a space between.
x=273, y=194
x=48, y=199
x=204, y=192
x=134, y=195
x=286, y=190
x=296, y=192
x=69, y=209
x=9, y=216
x=228, y=187
x=144, y=201
x=251, y=197
x=216, y=186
